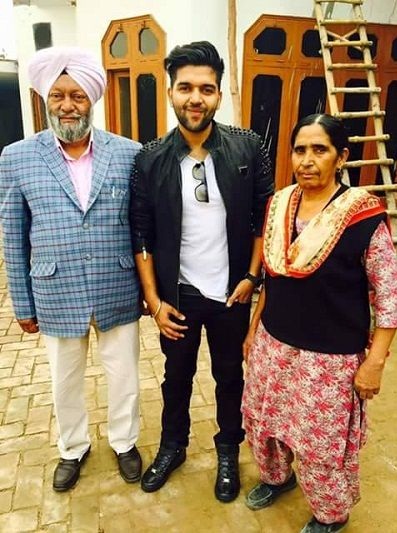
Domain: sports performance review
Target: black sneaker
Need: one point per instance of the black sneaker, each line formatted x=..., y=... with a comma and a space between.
x=165, y=463
x=265, y=494
x=314, y=526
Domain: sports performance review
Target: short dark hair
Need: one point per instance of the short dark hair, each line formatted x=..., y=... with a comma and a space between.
x=332, y=126
x=199, y=53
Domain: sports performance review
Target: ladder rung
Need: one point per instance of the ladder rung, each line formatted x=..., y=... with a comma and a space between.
x=355, y=90
x=332, y=22
x=333, y=38
x=352, y=66
x=331, y=44
x=360, y=114
x=389, y=187
x=361, y=139
x=353, y=2
x=368, y=162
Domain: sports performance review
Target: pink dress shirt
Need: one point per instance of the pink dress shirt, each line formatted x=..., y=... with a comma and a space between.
x=80, y=171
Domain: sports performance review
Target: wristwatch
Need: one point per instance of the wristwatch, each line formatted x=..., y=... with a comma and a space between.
x=255, y=280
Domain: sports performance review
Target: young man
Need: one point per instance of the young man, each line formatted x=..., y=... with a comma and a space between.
x=64, y=205
x=200, y=196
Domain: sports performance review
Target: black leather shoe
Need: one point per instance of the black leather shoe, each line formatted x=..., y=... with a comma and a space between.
x=227, y=485
x=314, y=526
x=166, y=461
x=67, y=473
x=130, y=465
x=264, y=494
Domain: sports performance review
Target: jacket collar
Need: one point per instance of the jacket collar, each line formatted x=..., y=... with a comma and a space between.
x=102, y=154
x=54, y=160
x=182, y=149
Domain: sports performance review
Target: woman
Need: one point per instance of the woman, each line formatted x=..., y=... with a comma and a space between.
x=308, y=376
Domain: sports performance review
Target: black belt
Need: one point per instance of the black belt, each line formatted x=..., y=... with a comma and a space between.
x=189, y=290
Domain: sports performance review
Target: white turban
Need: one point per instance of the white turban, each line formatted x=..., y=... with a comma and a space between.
x=46, y=66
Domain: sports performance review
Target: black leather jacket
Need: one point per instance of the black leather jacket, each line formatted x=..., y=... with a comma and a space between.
x=244, y=177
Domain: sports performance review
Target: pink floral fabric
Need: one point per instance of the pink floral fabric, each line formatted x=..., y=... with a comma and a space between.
x=381, y=268
x=302, y=403
x=304, y=399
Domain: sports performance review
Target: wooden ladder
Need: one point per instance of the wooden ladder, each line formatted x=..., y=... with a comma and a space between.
x=330, y=39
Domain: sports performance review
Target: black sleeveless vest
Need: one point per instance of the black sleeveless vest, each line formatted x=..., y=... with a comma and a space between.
x=327, y=311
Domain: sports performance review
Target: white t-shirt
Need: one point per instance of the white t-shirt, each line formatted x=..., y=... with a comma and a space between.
x=204, y=258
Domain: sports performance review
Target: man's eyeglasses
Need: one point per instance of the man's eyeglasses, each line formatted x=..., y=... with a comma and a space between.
x=201, y=191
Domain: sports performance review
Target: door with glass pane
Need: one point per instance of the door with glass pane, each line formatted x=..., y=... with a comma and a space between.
x=133, y=51
x=122, y=103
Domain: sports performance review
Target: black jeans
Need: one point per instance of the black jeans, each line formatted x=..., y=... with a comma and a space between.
x=226, y=329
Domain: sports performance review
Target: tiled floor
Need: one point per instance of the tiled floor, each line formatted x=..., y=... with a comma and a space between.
x=102, y=502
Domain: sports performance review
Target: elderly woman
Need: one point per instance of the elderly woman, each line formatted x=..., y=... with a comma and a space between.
x=308, y=375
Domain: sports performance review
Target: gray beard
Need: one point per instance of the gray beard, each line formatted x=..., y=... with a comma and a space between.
x=70, y=133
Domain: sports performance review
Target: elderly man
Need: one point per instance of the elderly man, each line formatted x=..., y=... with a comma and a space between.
x=64, y=206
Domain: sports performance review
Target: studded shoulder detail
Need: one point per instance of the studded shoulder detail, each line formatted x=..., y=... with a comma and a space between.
x=242, y=132
x=151, y=145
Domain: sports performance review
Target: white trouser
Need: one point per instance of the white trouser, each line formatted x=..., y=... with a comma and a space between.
x=118, y=349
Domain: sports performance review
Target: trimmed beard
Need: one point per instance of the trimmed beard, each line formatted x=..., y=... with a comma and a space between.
x=194, y=128
x=70, y=133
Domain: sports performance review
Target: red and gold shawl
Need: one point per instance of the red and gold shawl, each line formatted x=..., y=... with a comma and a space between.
x=316, y=241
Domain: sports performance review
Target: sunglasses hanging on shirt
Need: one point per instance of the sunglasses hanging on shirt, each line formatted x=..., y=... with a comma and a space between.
x=201, y=191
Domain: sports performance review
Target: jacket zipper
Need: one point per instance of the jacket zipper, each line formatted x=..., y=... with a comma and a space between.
x=180, y=233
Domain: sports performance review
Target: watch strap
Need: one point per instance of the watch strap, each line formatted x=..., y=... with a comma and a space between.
x=255, y=280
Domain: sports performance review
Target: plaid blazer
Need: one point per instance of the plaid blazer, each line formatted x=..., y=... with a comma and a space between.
x=65, y=265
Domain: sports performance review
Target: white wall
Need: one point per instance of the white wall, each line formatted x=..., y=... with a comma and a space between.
x=8, y=66
x=381, y=11
x=183, y=22
x=7, y=33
